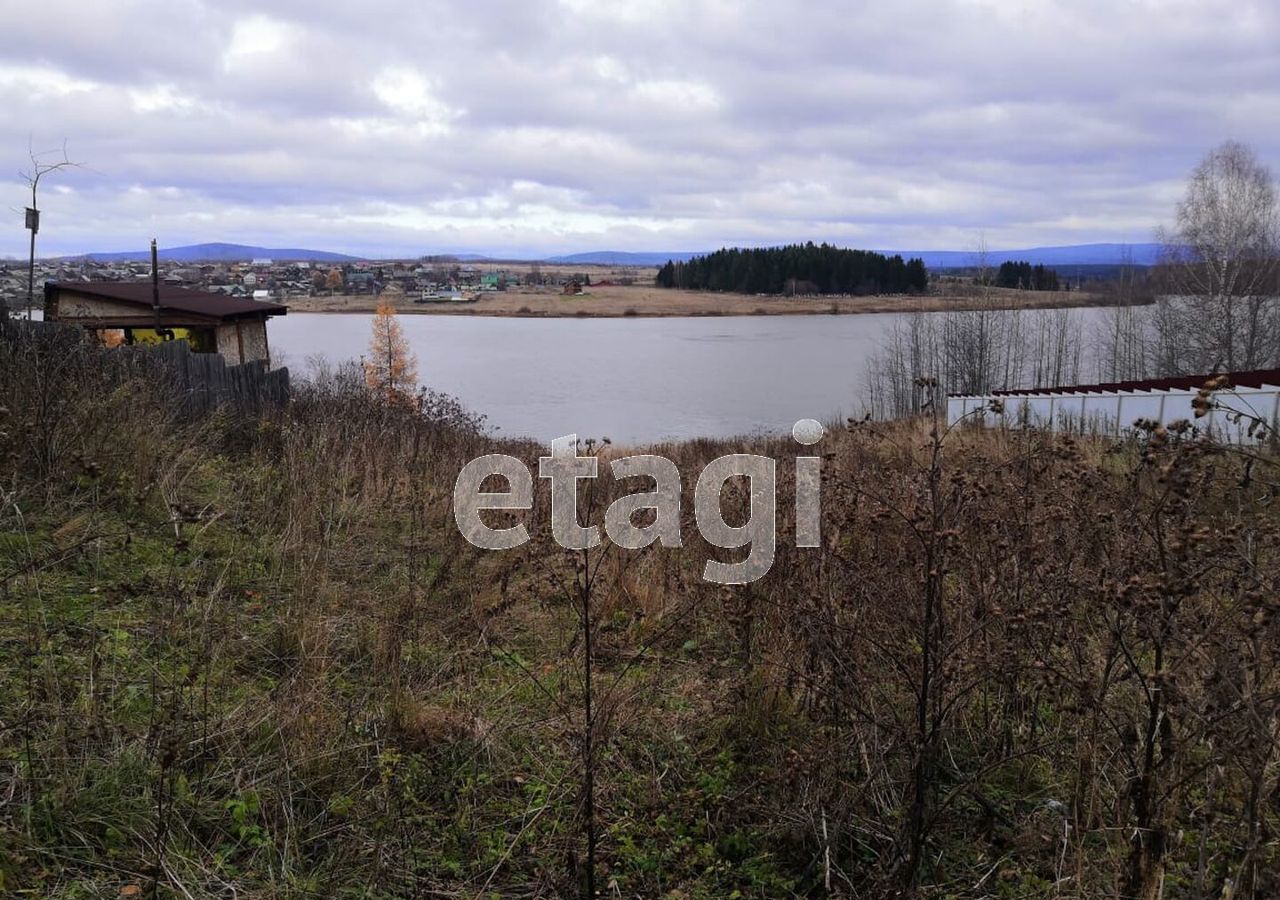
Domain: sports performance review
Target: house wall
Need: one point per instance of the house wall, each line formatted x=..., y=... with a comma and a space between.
x=228, y=346
x=78, y=306
x=253, y=335
x=253, y=332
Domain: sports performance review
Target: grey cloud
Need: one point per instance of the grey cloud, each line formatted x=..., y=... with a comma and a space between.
x=497, y=125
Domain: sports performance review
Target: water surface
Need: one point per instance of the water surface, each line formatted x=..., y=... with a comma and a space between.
x=634, y=380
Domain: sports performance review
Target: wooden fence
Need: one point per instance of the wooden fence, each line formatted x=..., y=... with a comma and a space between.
x=200, y=382
x=206, y=382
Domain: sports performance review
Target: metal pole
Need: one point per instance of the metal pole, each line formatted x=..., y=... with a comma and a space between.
x=31, y=275
x=155, y=284
x=33, y=223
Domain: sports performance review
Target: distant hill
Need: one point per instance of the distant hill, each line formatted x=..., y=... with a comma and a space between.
x=1073, y=255
x=620, y=258
x=219, y=253
x=1069, y=271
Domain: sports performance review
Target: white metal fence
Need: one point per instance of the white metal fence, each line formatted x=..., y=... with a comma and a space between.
x=1114, y=412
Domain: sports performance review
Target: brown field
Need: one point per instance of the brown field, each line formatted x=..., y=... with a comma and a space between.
x=646, y=300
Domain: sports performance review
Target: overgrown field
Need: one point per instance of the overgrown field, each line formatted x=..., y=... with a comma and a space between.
x=254, y=658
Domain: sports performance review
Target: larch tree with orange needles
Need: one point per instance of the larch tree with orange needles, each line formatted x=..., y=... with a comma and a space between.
x=334, y=280
x=391, y=368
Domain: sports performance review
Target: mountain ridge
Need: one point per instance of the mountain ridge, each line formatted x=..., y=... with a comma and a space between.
x=1108, y=254
x=217, y=252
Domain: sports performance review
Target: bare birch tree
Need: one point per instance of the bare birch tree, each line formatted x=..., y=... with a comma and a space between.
x=1122, y=337
x=1055, y=348
x=904, y=377
x=1220, y=262
x=972, y=351
x=981, y=346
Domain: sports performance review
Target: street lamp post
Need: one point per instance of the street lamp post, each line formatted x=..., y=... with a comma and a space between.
x=33, y=225
x=38, y=170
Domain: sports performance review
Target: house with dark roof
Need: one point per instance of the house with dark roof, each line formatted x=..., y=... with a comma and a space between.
x=233, y=327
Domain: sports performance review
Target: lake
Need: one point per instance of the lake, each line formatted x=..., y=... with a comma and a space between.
x=634, y=380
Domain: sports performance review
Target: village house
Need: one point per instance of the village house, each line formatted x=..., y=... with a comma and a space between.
x=361, y=283
x=233, y=327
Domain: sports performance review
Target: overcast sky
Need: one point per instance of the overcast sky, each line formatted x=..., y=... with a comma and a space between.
x=389, y=127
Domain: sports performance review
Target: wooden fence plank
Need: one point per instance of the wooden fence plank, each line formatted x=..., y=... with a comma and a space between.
x=204, y=381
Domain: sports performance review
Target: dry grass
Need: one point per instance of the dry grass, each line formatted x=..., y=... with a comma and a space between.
x=256, y=659
x=641, y=301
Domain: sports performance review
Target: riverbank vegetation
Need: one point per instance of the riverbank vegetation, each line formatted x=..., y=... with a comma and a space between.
x=1212, y=305
x=1024, y=276
x=798, y=269
x=645, y=301
x=252, y=657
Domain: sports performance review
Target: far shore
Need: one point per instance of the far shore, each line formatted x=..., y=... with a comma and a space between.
x=615, y=301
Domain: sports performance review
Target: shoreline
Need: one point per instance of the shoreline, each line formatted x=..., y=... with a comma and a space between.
x=650, y=303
